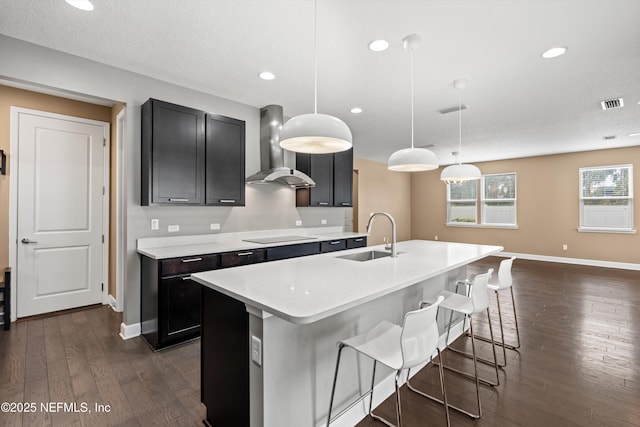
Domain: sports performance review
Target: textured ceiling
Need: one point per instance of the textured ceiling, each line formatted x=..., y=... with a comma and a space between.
x=519, y=104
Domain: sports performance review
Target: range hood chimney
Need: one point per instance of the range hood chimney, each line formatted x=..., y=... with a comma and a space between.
x=272, y=161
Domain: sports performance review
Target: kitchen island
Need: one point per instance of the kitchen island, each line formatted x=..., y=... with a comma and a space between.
x=269, y=330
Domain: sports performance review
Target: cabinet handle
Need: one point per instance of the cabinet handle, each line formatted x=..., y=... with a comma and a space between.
x=192, y=259
x=227, y=200
x=359, y=240
x=244, y=253
x=187, y=277
x=345, y=204
x=337, y=242
x=323, y=203
x=178, y=200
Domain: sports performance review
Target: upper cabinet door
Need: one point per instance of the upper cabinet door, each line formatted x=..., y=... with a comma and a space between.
x=343, y=178
x=173, y=149
x=320, y=168
x=333, y=174
x=225, y=169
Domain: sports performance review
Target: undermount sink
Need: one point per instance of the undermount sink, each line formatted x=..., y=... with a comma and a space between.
x=366, y=256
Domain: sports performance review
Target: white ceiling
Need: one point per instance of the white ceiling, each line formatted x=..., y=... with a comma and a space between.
x=519, y=104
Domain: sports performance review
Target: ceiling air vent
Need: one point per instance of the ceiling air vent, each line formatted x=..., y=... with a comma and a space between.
x=609, y=104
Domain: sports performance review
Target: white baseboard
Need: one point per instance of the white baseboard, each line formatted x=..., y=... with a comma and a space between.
x=129, y=331
x=577, y=261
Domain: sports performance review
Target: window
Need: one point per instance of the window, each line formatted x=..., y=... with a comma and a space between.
x=606, y=198
x=462, y=203
x=498, y=201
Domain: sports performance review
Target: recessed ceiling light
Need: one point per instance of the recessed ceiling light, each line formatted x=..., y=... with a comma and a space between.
x=81, y=4
x=378, y=45
x=554, y=52
x=267, y=75
x=634, y=134
x=356, y=110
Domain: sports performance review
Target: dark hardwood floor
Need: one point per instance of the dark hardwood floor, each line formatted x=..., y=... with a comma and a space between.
x=579, y=364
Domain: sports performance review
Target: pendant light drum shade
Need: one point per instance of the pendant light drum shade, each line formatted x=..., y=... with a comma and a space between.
x=315, y=134
x=460, y=173
x=412, y=160
x=456, y=174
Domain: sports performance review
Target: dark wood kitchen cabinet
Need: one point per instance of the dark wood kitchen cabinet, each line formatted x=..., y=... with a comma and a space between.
x=170, y=302
x=173, y=154
x=343, y=178
x=333, y=174
x=190, y=157
x=225, y=147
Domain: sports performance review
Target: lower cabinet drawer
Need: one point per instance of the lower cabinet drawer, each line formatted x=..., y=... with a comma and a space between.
x=186, y=265
x=292, y=251
x=356, y=242
x=333, y=245
x=234, y=259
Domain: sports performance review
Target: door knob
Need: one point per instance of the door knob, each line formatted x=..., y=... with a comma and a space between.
x=27, y=241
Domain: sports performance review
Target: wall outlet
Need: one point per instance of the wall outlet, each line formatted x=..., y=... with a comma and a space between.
x=323, y=221
x=565, y=247
x=173, y=228
x=435, y=238
x=215, y=226
x=155, y=224
x=298, y=222
x=256, y=350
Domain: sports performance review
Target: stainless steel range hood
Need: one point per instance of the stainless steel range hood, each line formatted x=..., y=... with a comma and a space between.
x=272, y=157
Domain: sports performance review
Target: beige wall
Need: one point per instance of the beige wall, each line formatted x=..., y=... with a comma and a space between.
x=22, y=98
x=382, y=190
x=547, y=208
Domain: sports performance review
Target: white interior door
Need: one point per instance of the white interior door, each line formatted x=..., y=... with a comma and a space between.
x=60, y=208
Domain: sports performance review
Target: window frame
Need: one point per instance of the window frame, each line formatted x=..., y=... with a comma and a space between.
x=630, y=198
x=479, y=205
x=484, y=200
x=451, y=201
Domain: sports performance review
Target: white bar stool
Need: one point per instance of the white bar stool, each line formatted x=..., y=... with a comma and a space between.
x=477, y=301
x=505, y=281
x=398, y=348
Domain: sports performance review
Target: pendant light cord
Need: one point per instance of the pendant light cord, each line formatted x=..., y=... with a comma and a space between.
x=460, y=126
x=411, y=57
x=315, y=48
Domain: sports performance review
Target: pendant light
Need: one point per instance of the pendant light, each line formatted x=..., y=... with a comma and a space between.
x=412, y=159
x=315, y=133
x=460, y=173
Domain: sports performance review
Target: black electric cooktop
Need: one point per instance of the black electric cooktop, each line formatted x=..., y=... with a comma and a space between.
x=278, y=239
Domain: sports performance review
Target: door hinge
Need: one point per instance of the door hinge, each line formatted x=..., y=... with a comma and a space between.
x=103, y=238
x=103, y=190
x=102, y=287
x=104, y=142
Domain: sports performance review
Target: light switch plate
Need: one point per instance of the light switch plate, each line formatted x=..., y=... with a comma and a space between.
x=173, y=228
x=155, y=224
x=298, y=222
x=215, y=226
x=256, y=350
x=323, y=221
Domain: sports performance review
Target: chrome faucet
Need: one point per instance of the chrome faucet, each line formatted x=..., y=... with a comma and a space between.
x=393, y=230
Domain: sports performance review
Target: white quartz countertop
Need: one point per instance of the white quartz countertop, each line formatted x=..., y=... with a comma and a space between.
x=307, y=289
x=180, y=246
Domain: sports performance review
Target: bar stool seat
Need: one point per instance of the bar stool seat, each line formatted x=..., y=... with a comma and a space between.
x=397, y=347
